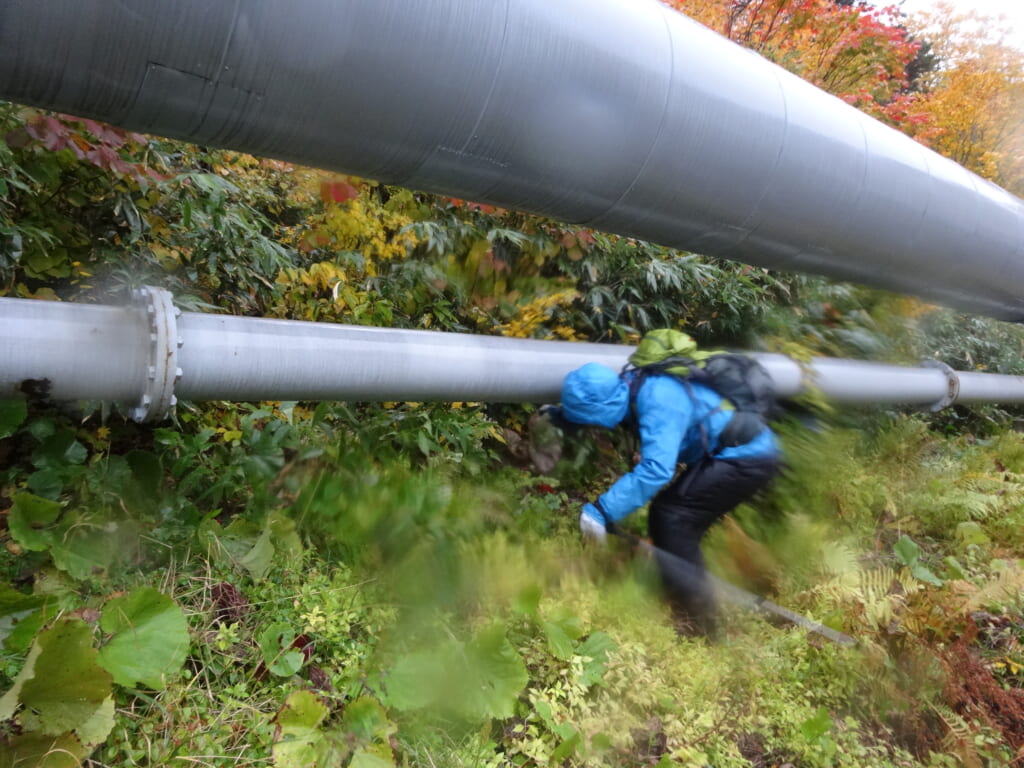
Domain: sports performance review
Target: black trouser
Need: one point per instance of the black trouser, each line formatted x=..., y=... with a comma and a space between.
x=681, y=514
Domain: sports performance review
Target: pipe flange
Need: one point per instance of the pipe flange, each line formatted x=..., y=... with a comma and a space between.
x=952, y=385
x=162, y=371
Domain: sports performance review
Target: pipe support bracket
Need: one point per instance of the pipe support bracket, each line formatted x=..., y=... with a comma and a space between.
x=952, y=385
x=163, y=373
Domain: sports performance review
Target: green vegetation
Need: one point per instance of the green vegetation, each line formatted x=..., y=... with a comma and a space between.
x=368, y=585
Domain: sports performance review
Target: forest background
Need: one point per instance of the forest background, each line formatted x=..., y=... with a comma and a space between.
x=297, y=584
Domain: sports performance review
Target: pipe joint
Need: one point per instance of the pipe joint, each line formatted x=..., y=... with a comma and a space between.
x=952, y=385
x=162, y=373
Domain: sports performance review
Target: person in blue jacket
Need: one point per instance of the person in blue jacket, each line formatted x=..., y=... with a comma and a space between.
x=678, y=425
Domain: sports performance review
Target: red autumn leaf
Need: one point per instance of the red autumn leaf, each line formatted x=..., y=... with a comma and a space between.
x=54, y=141
x=119, y=165
x=305, y=644
x=92, y=127
x=338, y=191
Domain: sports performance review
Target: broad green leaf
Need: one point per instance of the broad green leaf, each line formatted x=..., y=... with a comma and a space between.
x=482, y=678
x=230, y=543
x=362, y=759
x=88, y=547
x=285, y=536
x=17, y=630
x=559, y=643
x=40, y=751
x=301, y=743
x=567, y=748
x=59, y=450
x=366, y=719
x=496, y=675
x=52, y=583
x=601, y=741
x=278, y=654
x=278, y=542
x=48, y=483
x=13, y=601
x=95, y=730
x=9, y=701
x=971, y=533
x=140, y=482
x=12, y=414
x=417, y=680
x=302, y=710
x=260, y=558
x=906, y=550
x=149, y=638
x=954, y=569
x=596, y=649
x=543, y=709
x=923, y=573
x=67, y=685
x=42, y=428
x=817, y=726
x=527, y=602
x=31, y=520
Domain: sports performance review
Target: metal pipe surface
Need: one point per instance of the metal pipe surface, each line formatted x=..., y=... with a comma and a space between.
x=73, y=351
x=109, y=353
x=238, y=358
x=621, y=115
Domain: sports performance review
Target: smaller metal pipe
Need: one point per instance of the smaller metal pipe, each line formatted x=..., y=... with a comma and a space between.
x=236, y=358
x=990, y=388
x=859, y=381
x=80, y=351
x=129, y=354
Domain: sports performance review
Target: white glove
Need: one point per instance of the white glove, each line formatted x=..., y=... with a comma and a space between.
x=592, y=529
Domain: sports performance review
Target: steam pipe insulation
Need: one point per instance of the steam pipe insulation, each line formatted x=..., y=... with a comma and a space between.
x=621, y=115
x=148, y=354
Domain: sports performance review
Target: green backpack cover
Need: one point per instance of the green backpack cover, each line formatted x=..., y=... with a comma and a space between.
x=742, y=382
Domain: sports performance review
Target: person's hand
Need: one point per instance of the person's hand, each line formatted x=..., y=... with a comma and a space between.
x=592, y=525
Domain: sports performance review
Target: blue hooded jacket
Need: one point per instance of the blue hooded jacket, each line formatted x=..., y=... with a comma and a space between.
x=669, y=421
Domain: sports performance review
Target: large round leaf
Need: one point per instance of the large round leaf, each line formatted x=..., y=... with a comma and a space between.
x=61, y=687
x=149, y=638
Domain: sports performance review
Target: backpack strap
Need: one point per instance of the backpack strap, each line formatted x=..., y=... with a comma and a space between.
x=641, y=374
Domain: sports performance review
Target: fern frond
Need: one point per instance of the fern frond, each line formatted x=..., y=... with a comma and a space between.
x=838, y=559
x=959, y=737
x=1005, y=587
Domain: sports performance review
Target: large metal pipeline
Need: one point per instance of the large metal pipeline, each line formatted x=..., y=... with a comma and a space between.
x=147, y=354
x=621, y=115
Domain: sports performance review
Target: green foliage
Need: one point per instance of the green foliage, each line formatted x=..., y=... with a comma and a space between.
x=909, y=553
x=148, y=638
x=276, y=643
x=628, y=287
x=301, y=742
x=481, y=678
x=12, y=414
x=60, y=701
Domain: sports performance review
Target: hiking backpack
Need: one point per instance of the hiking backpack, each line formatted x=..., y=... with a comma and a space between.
x=741, y=381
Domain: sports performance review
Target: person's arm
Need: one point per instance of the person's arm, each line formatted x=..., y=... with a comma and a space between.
x=664, y=413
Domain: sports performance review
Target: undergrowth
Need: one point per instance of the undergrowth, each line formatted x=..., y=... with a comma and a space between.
x=410, y=610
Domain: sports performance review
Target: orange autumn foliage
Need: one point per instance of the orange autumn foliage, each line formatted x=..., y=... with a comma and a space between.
x=860, y=54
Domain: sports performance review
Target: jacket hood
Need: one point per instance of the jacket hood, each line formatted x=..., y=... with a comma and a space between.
x=595, y=394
